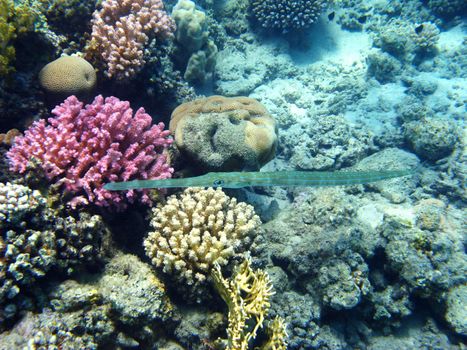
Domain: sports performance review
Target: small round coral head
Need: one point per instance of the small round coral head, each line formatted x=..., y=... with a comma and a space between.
x=66, y=76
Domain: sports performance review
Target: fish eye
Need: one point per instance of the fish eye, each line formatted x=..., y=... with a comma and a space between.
x=218, y=183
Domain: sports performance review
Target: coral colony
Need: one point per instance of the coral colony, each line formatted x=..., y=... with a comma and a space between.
x=82, y=148
x=233, y=175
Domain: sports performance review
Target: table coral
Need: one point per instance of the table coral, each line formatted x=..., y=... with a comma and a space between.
x=82, y=148
x=197, y=229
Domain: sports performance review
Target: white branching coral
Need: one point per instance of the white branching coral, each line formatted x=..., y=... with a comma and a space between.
x=197, y=229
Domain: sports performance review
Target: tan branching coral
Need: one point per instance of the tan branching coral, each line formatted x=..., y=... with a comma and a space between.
x=247, y=295
x=120, y=31
x=196, y=230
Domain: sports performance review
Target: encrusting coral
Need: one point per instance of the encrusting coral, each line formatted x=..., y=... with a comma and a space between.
x=247, y=295
x=196, y=230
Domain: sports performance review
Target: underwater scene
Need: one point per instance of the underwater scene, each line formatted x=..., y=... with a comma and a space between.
x=233, y=174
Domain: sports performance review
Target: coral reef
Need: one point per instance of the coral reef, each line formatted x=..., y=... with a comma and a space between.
x=125, y=307
x=383, y=67
x=379, y=257
x=7, y=34
x=432, y=138
x=196, y=230
x=120, y=31
x=66, y=76
x=224, y=134
x=408, y=43
x=37, y=239
x=83, y=148
x=425, y=38
x=456, y=314
x=71, y=18
x=333, y=85
x=286, y=15
x=447, y=9
x=239, y=71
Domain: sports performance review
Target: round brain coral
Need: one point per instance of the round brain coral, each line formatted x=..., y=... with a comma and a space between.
x=286, y=15
x=66, y=76
x=225, y=133
x=197, y=229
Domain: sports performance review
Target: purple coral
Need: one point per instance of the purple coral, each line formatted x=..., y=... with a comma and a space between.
x=84, y=148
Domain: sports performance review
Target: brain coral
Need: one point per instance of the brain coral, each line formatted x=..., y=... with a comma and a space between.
x=196, y=230
x=224, y=134
x=68, y=75
x=286, y=15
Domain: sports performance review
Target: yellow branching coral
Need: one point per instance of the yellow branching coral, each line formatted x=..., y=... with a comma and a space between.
x=247, y=296
x=277, y=335
x=197, y=229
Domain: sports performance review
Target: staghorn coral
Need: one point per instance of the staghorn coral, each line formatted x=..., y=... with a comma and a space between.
x=247, y=295
x=196, y=230
x=286, y=15
x=83, y=148
x=120, y=32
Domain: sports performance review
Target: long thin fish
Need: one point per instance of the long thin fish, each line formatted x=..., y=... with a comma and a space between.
x=257, y=178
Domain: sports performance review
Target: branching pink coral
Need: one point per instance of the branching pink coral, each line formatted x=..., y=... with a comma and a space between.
x=121, y=29
x=84, y=148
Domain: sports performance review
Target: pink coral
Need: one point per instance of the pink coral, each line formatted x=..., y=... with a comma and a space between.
x=84, y=148
x=120, y=31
